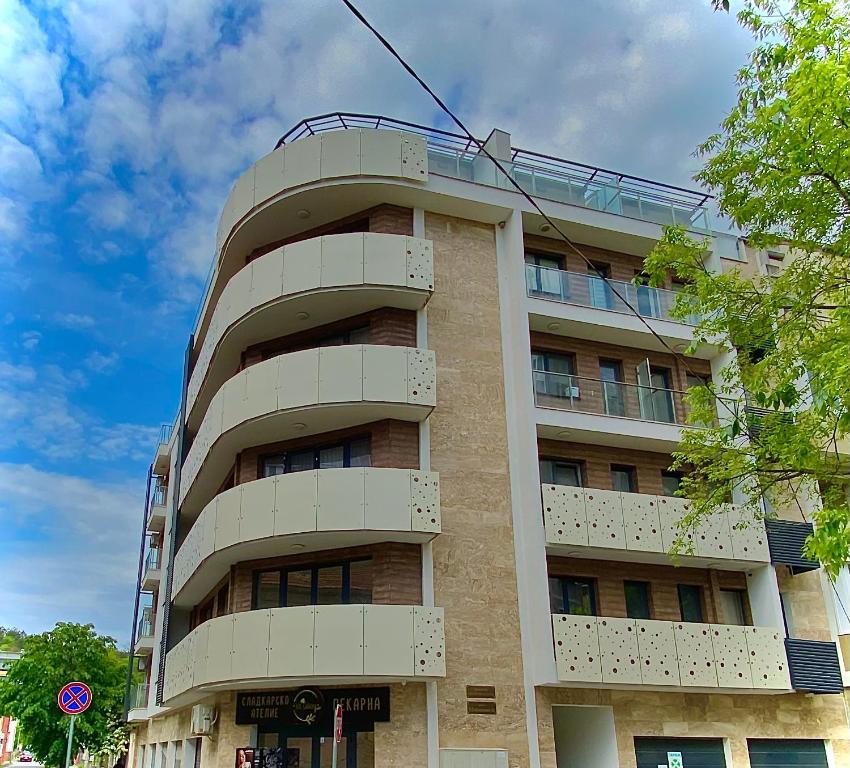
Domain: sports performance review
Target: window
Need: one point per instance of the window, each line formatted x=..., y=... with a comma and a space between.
x=221, y=600
x=787, y=615
x=178, y=754
x=690, y=602
x=572, y=595
x=332, y=584
x=732, y=610
x=613, y=391
x=623, y=478
x=670, y=482
x=601, y=294
x=558, y=472
x=544, y=275
x=353, y=453
x=637, y=599
x=553, y=374
x=353, y=336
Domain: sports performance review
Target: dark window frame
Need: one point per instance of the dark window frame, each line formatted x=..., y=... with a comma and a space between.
x=627, y=469
x=647, y=585
x=314, y=568
x=701, y=591
x=580, y=465
x=317, y=450
x=592, y=581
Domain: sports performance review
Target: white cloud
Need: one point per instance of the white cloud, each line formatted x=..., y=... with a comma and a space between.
x=70, y=549
x=75, y=321
x=102, y=363
x=30, y=339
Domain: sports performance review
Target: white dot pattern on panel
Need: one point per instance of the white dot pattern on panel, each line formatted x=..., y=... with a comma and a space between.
x=425, y=502
x=564, y=515
x=767, y=658
x=749, y=538
x=430, y=642
x=605, y=519
x=577, y=648
x=618, y=648
x=659, y=664
x=420, y=263
x=712, y=536
x=421, y=377
x=696, y=654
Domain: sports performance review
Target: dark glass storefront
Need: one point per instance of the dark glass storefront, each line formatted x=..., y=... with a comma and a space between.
x=295, y=727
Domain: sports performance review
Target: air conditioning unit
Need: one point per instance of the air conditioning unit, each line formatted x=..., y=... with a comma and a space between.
x=203, y=719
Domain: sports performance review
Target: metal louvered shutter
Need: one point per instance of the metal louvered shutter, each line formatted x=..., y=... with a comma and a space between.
x=786, y=753
x=696, y=753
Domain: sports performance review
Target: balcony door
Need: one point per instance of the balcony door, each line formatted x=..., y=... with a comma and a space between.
x=544, y=276
x=654, y=393
x=554, y=375
x=613, y=395
x=601, y=295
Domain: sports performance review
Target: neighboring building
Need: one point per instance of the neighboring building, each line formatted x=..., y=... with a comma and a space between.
x=8, y=725
x=421, y=469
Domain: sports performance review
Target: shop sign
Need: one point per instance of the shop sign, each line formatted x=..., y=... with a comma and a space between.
x=312, y=709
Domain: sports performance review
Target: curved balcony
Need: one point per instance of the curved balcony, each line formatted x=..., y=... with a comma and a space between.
x=319, y=509
x=640, y=527
x=326, y=278
x=304, y=393
x=316, y=645
x=253, y=216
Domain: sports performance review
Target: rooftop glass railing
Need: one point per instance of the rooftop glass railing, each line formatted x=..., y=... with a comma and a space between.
x=553, y=178
x=588, y=290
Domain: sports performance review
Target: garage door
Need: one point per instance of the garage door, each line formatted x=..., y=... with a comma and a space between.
x=786, y=753
x=696, y=753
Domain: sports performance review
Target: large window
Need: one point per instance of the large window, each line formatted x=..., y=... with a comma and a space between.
x=670, y=482
x=690, y=602
x=623, y=478
x=544, y=276
x=576, y=596
x=332, y=584
x=637, y=599
x=560, y=472
x=352, y=453
x=553, y=374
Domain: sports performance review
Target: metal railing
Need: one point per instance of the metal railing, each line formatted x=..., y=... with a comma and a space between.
x=165, y=433
x=158, y=496
x=609, y=398
x=554, y=178
x=588, y=290
x=145, y=628
x=139, y=696
x=153, y=559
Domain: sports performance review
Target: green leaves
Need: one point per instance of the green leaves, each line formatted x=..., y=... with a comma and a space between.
x=29, y=692
x=780, y=168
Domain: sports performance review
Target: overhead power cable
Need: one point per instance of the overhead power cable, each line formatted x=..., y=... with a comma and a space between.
x=530, y=199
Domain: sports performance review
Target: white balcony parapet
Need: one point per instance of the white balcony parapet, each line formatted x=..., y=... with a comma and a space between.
x=267, y=648
x=318, y=509
x=331, y=277
x=645, y=524
x=356, y=152
x=629, y=652
x=349, y=385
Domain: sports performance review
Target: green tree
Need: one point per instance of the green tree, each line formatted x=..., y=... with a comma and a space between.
x=29, y=692
x=780, y=168
x=11, y=639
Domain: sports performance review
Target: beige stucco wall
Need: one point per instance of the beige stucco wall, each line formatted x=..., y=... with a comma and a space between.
x=474, y=566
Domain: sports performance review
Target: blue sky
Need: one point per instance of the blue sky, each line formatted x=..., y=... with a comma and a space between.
x=122, y=126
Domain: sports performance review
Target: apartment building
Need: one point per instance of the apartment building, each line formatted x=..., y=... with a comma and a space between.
x=422, y=470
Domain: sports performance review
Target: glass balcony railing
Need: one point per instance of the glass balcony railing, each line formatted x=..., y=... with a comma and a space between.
x=588, y=290
x=158, y=496
x=153, y=559
x=145, y=627
x=608, y=398
x=139, y=696
x=165, y=434
x=553, y=178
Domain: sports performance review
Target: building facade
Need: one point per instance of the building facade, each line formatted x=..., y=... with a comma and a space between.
x=8, y=725
x=421, y=470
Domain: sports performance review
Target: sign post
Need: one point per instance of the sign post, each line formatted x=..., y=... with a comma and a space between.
x=337, y=733
x=74, y=699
